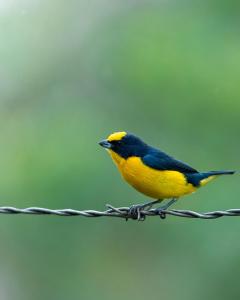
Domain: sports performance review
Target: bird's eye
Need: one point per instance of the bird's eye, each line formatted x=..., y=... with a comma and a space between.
x=115, y=143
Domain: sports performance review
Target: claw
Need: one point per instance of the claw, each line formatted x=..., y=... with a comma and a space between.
x=135, y=212
x=161, y=213
x=161, y=210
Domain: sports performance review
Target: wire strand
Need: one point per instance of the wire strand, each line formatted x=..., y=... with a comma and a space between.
x=121, y=212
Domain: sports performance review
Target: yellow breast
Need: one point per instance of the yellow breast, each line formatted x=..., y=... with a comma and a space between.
x=153, y=183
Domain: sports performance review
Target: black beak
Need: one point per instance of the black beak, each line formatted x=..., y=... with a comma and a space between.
x=105, y=144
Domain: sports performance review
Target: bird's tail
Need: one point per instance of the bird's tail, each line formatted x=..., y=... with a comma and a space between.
x=208, y=176
x=219, y=173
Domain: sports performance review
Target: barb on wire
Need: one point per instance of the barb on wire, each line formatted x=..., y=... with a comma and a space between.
x=121, y=212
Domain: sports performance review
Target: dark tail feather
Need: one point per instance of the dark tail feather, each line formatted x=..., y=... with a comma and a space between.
x=207, y=174
x=198, y=179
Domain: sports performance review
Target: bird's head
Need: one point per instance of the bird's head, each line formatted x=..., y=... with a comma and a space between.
x=125, y=144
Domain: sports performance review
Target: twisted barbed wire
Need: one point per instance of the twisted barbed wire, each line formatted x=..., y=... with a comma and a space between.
x=121, y=212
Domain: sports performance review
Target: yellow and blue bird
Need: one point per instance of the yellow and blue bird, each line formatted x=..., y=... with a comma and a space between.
x=153, y=172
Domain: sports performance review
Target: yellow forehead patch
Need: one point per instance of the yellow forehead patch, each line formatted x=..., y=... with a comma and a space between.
x=116, y=136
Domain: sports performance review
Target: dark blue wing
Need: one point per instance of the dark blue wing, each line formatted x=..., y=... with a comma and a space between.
x=161, y=161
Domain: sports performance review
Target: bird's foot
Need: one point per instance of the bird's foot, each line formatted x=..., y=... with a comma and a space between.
x=135, y=212
x=161, y=212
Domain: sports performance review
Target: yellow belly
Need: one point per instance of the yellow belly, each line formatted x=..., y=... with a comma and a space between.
x=153, y=183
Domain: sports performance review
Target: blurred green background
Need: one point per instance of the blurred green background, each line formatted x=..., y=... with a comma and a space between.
x=71, y=73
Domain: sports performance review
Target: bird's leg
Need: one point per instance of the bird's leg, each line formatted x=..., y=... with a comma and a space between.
x=167, y=205
x=135, y=210
x=149, y=205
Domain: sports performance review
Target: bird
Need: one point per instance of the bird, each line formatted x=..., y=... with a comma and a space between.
x=153, y=172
